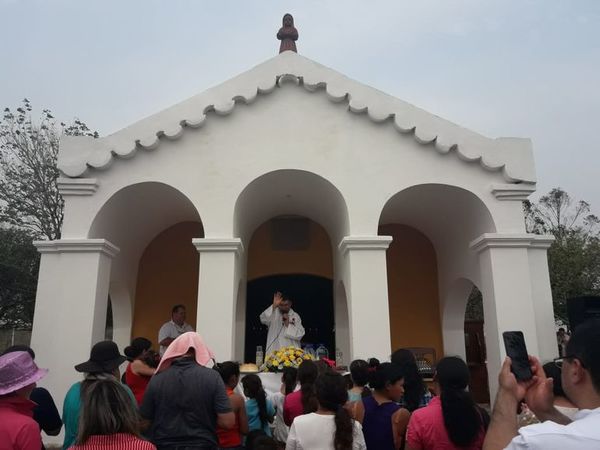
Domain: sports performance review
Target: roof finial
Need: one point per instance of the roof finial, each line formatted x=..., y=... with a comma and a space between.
x=287, y=34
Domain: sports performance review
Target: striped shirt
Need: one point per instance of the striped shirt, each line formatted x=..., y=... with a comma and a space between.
x=121, y=441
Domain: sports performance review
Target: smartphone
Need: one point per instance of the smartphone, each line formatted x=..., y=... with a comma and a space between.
x=514, y=343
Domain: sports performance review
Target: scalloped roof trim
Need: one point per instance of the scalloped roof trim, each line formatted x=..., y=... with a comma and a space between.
x=511, y=156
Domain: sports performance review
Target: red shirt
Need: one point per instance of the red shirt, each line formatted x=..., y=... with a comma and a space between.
x=292, y=407
x=232, y=437
x=426, y=430
x=18, y=430
x=137, y=383
x=119, y=441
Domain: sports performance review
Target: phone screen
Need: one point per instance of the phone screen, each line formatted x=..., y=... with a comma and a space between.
x=514, y=342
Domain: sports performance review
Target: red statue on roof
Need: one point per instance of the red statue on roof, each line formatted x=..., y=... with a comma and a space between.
x=287, y=34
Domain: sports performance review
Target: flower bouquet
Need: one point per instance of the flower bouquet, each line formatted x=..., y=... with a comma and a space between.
x=285, y=357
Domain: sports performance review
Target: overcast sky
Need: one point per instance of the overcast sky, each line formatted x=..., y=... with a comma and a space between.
x=527, y=68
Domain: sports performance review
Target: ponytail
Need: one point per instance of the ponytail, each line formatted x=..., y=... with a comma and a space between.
x=332, y=394
x=289, y=379
x=253, y=389
x=307, y=374
x=344, y=429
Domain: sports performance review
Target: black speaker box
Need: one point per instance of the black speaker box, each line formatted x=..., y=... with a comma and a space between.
x=580, y=309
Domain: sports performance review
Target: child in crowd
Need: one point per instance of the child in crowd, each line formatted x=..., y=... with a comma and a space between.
x=359, y=371
x=330, y=427
x=452, y=420
x=232, y=438
x=109, y=420
x=384, y=421
x=416, y=395
x=303, y=401
x=288, y=385
x=259, y=409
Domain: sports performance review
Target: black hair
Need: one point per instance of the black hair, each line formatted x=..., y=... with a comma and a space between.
x=585, y=346
x=252, y=437
x=332, y=395
x=227, y=370
x=553, y=371
x=253, y=388
x=414, y=387
x=289, y=378
x=176, y=308
x=138, y=346
x=307, y=375
x=386, y=373
x=373, y=363
x=359, y=372
x=20, y=348
x=264, y=443
x=462, y=419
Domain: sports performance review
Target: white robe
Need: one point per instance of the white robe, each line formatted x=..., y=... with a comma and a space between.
x=280, y=335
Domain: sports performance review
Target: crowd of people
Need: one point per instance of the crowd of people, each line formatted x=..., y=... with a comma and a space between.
x=185, y=400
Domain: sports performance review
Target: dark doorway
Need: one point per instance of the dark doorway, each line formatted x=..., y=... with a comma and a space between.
x=313, y=300
x=476, y=360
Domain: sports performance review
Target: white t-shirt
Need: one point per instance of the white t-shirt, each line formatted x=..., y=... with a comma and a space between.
x=581, y=434
x=172, y=330
x=316, y=431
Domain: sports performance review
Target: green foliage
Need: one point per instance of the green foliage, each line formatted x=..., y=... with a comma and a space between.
x=29, y=197
x=574, y=257
x=19, y=261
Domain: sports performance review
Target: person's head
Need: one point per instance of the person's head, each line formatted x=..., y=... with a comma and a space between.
x=104, y=359
x=18, y=374
x=106, y=409
x=307, y=375
x=289, y=378
x=462, y=419
x=252, y=437
x=264, y=443
x=414, y=388
x=253, y=389
x=332, y=396
x=388, y=381
x=230, y=373
x=288, y=20
x=138, y=348
x=359, y=370
x=581, y=365
x=20, y=348
x=373, y=363
x=178, y=314
x=561, y=331
x=286, y=304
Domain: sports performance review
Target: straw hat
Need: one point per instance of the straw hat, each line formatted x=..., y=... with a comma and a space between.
x=18, y=370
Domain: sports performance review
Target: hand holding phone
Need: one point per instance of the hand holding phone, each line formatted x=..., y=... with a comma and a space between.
x=514, y=343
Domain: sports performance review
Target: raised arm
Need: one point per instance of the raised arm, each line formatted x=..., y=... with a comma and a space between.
x=267, y=315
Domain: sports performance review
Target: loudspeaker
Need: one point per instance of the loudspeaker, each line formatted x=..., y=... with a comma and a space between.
x=580, y=309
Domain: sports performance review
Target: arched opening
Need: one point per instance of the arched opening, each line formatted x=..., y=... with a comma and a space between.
x=432, y=226
x=153, y=225
x=475, y=348
x=289, y=221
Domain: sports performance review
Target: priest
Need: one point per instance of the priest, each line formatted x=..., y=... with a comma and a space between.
x=285, y=325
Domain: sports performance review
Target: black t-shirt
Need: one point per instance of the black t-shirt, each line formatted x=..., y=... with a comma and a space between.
x=45, y=413
x=182, y=404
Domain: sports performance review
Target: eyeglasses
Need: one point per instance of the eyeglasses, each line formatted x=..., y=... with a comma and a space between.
x=559, y=361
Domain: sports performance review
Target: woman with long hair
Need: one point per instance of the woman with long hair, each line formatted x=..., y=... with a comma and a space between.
x=259, y=409
x=359, y=372
x=330, y=427
x=416, y=395
x=289, y=381
x=384, y=421
x=305, y=400
x=452, y=420
x=232, y=438
x=138, y=371
x=108, y=419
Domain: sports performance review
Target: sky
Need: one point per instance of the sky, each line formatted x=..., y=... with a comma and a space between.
x=526, y=68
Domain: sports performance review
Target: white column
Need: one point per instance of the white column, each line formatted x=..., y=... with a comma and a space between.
x=542, y=297
x=217, y=286
x=367, y=295
x=507, y=295
x=70, y=308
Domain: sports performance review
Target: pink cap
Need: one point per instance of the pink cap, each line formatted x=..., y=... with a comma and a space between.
x=18, y=370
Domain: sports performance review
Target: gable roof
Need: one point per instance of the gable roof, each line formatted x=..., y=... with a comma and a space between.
x=512, y=156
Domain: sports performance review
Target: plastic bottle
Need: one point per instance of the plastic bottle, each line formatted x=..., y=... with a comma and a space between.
x=339, y=360
x=310, y=351
x=322, y=352
x=259, y=356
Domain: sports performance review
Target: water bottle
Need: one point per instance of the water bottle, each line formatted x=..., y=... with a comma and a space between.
x=322, y=352
x=339, y=361
x=310, y=351
x=259, y=356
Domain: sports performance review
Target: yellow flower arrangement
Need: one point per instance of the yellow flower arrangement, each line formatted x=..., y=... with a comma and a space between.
x=285, y=357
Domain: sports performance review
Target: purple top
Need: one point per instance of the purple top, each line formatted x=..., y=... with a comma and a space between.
x=377, y=424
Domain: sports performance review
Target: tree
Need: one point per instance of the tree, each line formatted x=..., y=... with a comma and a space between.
x=29, y=197
x=574, y=256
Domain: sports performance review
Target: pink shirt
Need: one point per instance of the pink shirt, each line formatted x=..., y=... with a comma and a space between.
x=426, y=430
x=292, y=407
x=18, y=430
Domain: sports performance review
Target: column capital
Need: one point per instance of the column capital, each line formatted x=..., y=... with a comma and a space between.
x=205, y=245
x=511, y=240
x=78, y=246
x=364, y=243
